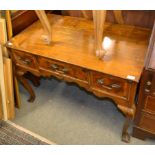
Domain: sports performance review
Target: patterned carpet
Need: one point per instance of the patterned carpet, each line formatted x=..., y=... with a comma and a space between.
x=10, y=135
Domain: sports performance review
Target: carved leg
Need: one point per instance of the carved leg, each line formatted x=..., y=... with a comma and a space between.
x=99, y=17
x=34, y=79
x=125, y=134
x=129, y=113
x=20, y=76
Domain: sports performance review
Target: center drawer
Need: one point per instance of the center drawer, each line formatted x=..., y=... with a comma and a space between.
x=110, y=84
x=61, y=68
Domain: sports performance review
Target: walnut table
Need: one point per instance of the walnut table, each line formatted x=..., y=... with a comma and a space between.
x=71, y=57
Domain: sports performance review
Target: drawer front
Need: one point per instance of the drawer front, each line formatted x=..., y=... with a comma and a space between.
x=150, y=104
x=63, y=68
x=147, y=122
x=110, y=84
x=25, y=60
x=149, y=84
x=153, y=85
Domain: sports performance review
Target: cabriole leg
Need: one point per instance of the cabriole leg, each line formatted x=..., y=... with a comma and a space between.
x=125, y=134
x=27, y=86
x=129, y=113
x=34, y=79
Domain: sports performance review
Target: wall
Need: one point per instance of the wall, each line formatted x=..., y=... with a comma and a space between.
x=131, y=17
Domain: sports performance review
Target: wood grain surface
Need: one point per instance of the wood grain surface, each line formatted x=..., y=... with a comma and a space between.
x=71, y=57
x=73, y=42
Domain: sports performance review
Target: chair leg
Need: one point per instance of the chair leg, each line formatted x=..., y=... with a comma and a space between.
x=99, y=17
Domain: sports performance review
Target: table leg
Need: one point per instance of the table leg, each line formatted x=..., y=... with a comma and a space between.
x=34, y=79
x=129, y=113
x=125, y=134
x=27, y=86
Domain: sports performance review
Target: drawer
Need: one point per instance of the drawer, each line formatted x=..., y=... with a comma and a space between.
x=61, y=68
x=147, y=122
x=25, y=60
x=110, y=84
x=149, y=83
x=153, y=85
x=149, y=104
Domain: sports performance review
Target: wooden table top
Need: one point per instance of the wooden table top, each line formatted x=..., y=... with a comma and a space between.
x=73, y=42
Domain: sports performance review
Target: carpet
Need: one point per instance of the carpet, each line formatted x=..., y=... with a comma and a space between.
x=66, y=114
x=10, y=135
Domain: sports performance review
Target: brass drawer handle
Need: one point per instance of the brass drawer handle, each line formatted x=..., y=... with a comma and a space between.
x=117, y=86
x=100, y=81
x=54, y=66
x=106, y=87
x=26, y=61
x=19, y=58
x=65, y=70
x=147, y=90
x=113, y=86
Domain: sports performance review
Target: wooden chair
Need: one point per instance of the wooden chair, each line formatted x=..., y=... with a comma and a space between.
x=99, y=17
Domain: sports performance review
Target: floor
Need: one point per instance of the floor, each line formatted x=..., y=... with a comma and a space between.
x=10, y=135
x=66, y=114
